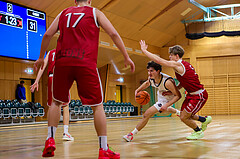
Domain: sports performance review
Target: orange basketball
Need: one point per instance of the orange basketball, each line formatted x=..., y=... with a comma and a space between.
x=142, y=97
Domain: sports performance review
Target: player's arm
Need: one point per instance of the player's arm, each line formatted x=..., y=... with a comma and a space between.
x=111, y=31
x=40, y=72
x=170, y=85
x=39, y=75
x=179, y=86
x=145, y=85
x=46, y=40
x=158, y=59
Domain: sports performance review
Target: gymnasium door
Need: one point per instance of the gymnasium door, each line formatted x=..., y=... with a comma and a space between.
x=118, y=93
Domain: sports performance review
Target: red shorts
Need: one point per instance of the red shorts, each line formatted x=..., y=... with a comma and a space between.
x=49, y=102
x=88, y=84
x=194, y=103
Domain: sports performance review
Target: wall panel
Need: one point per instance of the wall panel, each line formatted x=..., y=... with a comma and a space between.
x=221, y=78
x=2, y=69
x=17, y=71
x=8, y=70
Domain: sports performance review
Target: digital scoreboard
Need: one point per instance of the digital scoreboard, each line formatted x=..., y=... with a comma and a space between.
x=21, y=31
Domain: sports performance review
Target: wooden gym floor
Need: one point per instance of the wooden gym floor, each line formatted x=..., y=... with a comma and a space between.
x=161, y=138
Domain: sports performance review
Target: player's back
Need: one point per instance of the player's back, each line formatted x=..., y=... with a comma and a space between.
x=79, y=35
x=189, y=79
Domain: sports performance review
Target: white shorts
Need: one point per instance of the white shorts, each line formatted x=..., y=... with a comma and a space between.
x=158, y=105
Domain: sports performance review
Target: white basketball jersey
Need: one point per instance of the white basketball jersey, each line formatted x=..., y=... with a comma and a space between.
x=161, y=88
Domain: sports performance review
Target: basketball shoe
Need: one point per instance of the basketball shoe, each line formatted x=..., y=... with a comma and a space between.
x=109, y=154
x=128, y=137
x=196, y=135
x=204, y=124
x=49, y=148
x=67, y=137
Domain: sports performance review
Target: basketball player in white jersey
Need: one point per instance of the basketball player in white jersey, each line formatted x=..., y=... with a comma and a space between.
x=163, y=83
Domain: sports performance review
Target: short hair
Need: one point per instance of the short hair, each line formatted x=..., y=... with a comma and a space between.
x=81, y=1
x=22, y=82
x=177, y=50
x=154, y=65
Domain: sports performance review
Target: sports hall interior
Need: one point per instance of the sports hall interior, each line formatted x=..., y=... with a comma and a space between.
x=161, y=24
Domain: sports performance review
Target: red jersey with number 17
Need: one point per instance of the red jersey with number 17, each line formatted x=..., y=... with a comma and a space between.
x=79, y=36
x=189, y=79
x=51, y=61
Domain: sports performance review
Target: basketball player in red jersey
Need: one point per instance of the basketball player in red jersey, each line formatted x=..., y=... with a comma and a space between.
x=50, y=61
x=188, y=78
x=76, y=59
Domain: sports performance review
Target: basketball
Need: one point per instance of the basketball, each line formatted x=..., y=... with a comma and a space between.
x=142, y=97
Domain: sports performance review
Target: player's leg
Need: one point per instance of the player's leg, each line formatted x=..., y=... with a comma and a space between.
x=149, y=113
x=101, y=129
x=100, y=125
x=173, y=111
x=50, y=143
x=204, y=120
x=66, y=134
x=54, y=112
x=90, y=92
x=61, y=85
x=188, y=109
x=202, y=98
x=186, y=118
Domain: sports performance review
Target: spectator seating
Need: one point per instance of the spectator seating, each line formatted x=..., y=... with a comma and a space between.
x=13, y=110
x=111, y=108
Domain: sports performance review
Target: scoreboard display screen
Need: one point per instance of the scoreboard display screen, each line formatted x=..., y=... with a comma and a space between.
x=21, y=31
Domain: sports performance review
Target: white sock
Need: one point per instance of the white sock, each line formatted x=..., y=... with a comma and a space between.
x=65, y=129
x=135, y=131
x=177, y=112
x=51, y=131
x=103, y=142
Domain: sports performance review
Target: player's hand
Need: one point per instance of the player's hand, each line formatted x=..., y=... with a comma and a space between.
x=127, y=62
x=167, y=93
x=163, y=108
x=34, y=86
x=144, y=46
x=136, y=92
x=38, y=63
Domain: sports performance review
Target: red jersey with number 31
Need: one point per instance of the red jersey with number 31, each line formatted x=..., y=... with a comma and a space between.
x=51, y=61
x=79, y=36
x=189, y=79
